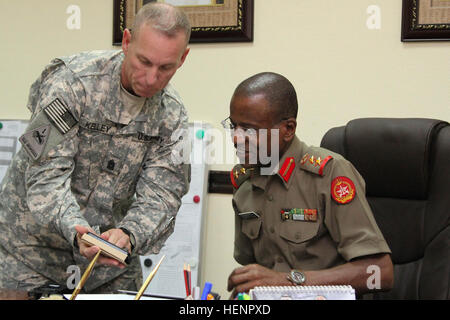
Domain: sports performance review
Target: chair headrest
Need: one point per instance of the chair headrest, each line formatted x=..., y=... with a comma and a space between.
x=393, y=155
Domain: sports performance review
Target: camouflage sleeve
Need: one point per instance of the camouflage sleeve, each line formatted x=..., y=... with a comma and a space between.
x=48, y=178
x=160, y=187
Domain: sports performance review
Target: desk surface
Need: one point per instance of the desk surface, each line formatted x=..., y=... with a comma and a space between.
x=6, y=294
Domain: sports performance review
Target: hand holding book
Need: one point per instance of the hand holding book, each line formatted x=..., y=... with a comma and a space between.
x=110, y=242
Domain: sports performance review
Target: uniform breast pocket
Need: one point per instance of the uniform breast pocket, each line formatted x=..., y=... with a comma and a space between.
x=133, y=154
x=251, y=228
x=299, y=231
x=91, y=150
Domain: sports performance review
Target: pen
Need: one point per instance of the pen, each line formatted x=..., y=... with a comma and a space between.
x=186, y=280
x=149, y=278
x=85, y=276
x=206, y=290
x=189, y=280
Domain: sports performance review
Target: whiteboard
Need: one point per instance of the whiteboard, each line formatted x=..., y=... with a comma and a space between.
x=10, y=132
x=184, y=245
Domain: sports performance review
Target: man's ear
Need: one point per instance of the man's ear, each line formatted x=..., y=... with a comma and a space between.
x=290, y=127
x=183, y=57
x=126, y=40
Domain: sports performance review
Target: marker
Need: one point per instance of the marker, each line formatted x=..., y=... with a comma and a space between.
x=206, y=290
x=196, y=293
x=200, y=134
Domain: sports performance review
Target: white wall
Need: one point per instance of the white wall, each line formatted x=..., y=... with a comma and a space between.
x=341, y=69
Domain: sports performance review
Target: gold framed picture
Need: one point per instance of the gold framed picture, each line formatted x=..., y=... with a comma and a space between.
x=211, y=20
x=425, y=20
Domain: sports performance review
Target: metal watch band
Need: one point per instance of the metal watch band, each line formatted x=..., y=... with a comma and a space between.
x=297, y=277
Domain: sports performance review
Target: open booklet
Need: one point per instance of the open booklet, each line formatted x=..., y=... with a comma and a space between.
x=303, y=293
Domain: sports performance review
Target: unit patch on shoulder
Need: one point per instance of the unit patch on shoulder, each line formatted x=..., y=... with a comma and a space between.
x=343, y=190
x=34, y=141
x=60, y=116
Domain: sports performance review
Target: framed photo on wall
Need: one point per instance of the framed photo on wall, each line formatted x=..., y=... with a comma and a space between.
x=426, y=20
x=211, y=20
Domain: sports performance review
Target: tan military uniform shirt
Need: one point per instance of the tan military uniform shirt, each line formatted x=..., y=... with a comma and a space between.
x=311, y=215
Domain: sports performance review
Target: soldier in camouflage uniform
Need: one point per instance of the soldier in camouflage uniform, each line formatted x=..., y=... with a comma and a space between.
x=97, y=157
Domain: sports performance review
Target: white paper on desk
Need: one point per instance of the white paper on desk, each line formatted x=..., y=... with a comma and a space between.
x=108, y=297
x=303, y=293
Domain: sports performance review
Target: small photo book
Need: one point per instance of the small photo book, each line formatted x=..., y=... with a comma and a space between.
x=303, y=293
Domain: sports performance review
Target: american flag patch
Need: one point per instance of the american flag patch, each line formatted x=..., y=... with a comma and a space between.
x=60, y=116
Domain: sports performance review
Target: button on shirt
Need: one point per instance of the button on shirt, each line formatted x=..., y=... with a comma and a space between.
x=337, y=232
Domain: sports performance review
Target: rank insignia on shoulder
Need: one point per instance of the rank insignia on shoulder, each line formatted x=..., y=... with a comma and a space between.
x=239, y=174
x=314, y=164
x=343, y=190
x=60, y=116
x=299, y=214
x=287, y=168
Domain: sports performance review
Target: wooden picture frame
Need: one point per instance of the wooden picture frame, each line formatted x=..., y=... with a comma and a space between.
x=425, y=20
x=229, y=21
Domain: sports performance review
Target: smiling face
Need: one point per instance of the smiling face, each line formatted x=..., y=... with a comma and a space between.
x=267, y=104
x=253, y=113
x=151, y=60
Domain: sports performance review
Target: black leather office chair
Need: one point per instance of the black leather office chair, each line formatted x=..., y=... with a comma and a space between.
x=406, y=166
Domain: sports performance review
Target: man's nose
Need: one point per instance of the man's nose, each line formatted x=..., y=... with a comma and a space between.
x=151, y=76
x=238, y=136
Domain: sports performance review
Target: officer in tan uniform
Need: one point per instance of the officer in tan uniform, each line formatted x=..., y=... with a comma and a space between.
x=97, y=156
x=307, y=223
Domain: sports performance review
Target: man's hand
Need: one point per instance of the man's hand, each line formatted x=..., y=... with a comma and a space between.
x=245, y=278
x=119, y=238
x=115, y=236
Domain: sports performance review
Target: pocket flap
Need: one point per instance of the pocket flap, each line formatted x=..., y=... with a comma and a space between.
x=251, y=228
x=298, y=231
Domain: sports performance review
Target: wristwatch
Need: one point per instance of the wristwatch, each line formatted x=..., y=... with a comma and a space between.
x=297, y=277
x=131, y=236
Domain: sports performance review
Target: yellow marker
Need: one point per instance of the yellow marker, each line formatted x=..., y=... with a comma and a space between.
x=85, y=276
x=147, y=281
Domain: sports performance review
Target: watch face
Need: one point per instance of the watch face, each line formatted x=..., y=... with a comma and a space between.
x=298, y=277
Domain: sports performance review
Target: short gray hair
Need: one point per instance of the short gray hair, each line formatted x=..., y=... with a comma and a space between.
x=163, y=17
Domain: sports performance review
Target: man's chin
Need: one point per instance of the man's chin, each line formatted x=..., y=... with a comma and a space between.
x=138, y=91
x=244, y=160
x=247, y=164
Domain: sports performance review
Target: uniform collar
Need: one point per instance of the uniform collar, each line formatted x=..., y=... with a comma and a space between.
x=289, y=161
x=286, y=166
